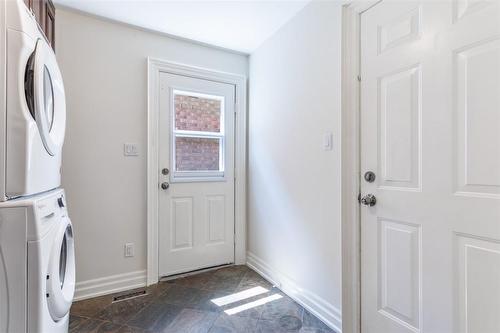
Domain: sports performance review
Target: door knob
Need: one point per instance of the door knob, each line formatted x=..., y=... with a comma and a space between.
x=165, y=185
x=368, y=200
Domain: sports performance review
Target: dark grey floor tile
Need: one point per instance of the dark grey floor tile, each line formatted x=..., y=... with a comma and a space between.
x=181, y=295
x=191, y=321
x=223, y=283
x=284, y=324
x=290, y=323
x=185, y=305
x=74, y=322
x=232, y=271
x=315, y=330
x=88, y=326
x=194, y=281
x=157, y=289
x=128, y=329
x=234, y=324
x=203, y=300
x=252, y=280
x=311, y=322
x=120, y=312
x=108, y=327
x=284, y=306
x=154, y=317
x=90, y=307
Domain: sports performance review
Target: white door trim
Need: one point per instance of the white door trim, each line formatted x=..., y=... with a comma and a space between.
x=155, y=66
x=351, y=245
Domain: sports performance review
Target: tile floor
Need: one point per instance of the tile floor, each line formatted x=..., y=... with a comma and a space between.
x=246, y=303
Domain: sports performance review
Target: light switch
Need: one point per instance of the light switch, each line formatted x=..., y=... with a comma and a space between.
x=130, y=149
x=328, y=141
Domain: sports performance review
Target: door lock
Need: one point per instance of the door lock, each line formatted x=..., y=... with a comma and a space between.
x=165, y=185
x=165, y=171
x=368, y=200
x=370, y=176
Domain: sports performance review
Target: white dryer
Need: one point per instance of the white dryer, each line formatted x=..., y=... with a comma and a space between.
x=37, y=265
x=32, y=106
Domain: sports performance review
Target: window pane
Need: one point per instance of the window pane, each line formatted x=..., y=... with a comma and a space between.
x=194, y=113
x=197, y=154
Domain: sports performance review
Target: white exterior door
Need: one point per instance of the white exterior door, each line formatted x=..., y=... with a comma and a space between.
x=196, y=172
x=430, y=131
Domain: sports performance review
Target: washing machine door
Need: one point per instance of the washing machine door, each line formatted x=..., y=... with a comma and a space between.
x=45, y=96
x=61, y=272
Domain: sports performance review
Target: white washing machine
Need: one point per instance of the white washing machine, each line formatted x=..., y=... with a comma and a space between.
x=37, y=264
x=32, y=106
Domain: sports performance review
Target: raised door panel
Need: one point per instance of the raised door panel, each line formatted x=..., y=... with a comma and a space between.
x=479, y=286
x=478, y=104
x=399, y=270
x=463, y=8
x=399, y=138
x=181, y=222
x=216, y=210
x=399, y=31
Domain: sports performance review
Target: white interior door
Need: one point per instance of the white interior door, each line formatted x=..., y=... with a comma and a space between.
x=430, y=131
x=196, y=167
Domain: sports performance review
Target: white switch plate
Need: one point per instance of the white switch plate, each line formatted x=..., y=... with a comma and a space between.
x=130, y=149
x=328, y=141
x=129, y=249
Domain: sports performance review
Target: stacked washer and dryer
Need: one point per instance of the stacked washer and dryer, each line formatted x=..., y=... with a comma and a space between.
x=37, y=267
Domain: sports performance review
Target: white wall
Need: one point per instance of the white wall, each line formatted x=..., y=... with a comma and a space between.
x=294, y=230
x=104, y=71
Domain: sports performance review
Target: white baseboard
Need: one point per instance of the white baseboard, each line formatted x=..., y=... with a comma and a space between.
x=110, y=284
x=313, y=303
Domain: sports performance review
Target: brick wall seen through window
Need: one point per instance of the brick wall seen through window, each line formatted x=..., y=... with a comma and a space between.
x=201, y=115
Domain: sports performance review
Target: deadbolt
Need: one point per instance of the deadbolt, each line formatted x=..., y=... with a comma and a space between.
x=165, y=185
x=369, y=200
x=165, y=171
x=370, y=176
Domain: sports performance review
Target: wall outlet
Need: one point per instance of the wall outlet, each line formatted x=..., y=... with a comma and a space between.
x=130, y=149
x=129, y=249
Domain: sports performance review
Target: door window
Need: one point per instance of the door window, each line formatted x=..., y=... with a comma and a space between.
x=198, y=135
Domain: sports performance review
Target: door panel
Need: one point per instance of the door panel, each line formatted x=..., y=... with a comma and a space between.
x=181, y=221
x=196, y=209
x=430, y=124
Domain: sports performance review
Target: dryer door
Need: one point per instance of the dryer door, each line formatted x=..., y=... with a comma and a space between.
x=61, y=280
x=45, y=96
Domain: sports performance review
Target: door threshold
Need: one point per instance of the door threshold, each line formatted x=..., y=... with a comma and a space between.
x=194, y=272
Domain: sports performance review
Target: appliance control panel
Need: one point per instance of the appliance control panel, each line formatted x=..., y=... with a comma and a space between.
x=48, y=211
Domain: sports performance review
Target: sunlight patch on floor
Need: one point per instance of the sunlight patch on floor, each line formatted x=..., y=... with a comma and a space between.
x=239, y=296
x=253, y=304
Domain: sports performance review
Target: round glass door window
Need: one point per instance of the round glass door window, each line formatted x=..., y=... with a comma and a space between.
x=62, y=259
x=48, y=97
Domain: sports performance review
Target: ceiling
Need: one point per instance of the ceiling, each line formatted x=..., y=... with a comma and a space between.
x=240, y=25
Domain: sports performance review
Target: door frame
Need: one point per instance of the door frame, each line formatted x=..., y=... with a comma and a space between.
x=155, y=67
x=350, y=163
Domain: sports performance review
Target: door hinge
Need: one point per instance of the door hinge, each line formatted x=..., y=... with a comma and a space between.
x=359, y=78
